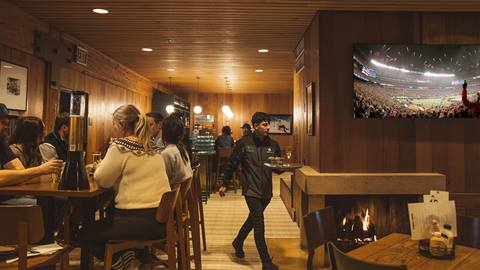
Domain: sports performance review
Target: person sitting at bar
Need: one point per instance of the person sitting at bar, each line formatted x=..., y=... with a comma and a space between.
x=136, y=172
x=225, y=140
x=154, y=121
x=12, y=171
x=177, y=162
x=55, y=145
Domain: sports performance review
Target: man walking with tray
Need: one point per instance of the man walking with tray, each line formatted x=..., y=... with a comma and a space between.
x=251, y=152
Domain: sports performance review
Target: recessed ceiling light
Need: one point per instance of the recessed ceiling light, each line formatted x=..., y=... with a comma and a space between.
x=147, y=49
x=100, y=11
x=5, y=66
x=170, y=69
x=263, y=50
x=258, y=70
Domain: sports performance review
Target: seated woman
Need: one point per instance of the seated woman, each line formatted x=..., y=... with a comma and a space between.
x=26, y=138
x=136, y=172
x=175, y=155
x=24, y=142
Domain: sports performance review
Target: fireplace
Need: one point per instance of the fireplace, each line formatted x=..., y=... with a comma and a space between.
x=364, y=218
x=357, y=227
x=385, y=195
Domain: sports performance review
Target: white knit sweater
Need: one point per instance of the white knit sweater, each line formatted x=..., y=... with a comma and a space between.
x=138, y=178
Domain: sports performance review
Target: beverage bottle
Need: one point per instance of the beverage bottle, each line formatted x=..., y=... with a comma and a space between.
x=447, y=234
x=434, y=227
x=438, y=245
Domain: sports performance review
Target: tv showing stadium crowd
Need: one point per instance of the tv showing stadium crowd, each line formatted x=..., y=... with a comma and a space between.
x=416, y=81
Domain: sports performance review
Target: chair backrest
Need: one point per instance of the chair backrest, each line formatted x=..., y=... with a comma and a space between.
x=185, y=188
x=167, y=205
x=468, y=230
x=196, y=185
x=224, y=152
x=13, y=215
x=341, y=261
x=320, y=227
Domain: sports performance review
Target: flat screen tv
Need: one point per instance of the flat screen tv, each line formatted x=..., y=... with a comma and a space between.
x=416, y=81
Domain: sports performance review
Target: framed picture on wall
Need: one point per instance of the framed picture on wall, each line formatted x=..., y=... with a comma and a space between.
x=13, y=86
x=281, y=124
x=310, y=108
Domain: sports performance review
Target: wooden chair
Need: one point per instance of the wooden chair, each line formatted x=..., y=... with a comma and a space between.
x=197, y=192
x=23, y=225
x=468, y=230
x=166, y=213
x=341, y=261
x=190, y=220
x=320, y=228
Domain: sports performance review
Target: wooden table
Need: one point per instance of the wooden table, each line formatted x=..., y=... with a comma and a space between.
x=46, y=192
x=399, y=249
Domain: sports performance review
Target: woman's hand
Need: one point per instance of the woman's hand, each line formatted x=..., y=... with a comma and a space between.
x=52, y=166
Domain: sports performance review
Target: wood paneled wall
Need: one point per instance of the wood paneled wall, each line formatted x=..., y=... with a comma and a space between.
x=108, y=83
x=345, y=144
x=244, y=106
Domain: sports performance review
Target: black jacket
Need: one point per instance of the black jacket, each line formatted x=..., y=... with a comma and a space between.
x=60, y=146
x=252, y=153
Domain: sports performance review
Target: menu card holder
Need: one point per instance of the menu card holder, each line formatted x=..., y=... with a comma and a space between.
x=435, y=206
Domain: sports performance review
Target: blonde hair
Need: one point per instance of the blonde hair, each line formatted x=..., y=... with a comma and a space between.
x=130, y=119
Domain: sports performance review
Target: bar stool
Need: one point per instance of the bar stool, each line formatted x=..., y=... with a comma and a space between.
x=223, y=154
x=190, y=220
x=197, y=193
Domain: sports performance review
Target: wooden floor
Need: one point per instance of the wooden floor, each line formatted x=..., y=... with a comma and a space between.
x=224, y=217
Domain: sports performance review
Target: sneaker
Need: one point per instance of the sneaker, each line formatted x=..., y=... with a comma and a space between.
x=221, y=191
x=269, y=266
x=238, y=249
x=118, y=264
x=128, y=259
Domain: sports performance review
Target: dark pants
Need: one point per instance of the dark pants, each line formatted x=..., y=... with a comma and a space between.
x=255, y=221
x=122, y=225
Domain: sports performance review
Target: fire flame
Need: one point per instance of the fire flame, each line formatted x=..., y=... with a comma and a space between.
x=366, y=221
x=344, y=221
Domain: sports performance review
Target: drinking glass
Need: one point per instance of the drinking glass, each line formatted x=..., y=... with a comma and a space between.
x=56, y=176
x=97, y=157
x=288, y=153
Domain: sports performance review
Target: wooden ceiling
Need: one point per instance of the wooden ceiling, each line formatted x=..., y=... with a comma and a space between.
x=211, y=39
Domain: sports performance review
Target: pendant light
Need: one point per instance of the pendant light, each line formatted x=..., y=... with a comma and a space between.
x=197, y=109
x=169, y=108
x=225, y=108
